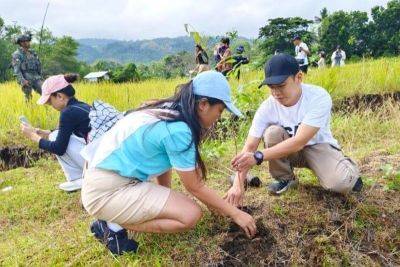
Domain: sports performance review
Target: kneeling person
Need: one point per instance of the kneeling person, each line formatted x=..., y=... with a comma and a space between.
x=70, y=138
x=146, y=144
x=294, y=123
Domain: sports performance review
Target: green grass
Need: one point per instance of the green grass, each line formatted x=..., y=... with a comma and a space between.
x=40, y=225
x=376, y=76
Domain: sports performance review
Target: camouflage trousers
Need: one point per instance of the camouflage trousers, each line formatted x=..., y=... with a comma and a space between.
x=36, y=85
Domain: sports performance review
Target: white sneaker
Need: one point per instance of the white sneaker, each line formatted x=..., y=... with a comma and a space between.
x=71, y=186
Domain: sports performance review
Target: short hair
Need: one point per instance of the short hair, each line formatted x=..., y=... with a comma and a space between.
x=225, y=40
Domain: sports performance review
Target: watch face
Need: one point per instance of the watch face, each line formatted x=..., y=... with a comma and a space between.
x=259, y=157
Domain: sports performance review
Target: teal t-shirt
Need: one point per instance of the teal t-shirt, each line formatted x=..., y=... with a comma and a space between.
x=140, y=146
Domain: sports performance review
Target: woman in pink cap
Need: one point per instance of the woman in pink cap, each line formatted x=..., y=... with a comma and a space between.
x=70, y=138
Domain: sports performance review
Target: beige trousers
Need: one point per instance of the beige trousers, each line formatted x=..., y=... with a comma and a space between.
x=335, y=171
x=108, y=196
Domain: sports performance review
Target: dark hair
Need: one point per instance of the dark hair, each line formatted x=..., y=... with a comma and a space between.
x=225, y=40
x=185, y=103
x=68, y=90
x=199, y=47
x=297, y=38
x=322, y=54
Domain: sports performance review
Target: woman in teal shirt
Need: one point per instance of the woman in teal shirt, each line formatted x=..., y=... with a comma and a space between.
x=148, y=143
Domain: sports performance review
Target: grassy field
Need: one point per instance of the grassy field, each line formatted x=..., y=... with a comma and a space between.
x=39, y=225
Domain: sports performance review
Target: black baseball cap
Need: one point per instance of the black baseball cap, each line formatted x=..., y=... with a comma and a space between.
x=279, y=68
x=296, y=37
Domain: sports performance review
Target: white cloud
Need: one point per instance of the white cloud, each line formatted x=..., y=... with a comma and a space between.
x=142, y=19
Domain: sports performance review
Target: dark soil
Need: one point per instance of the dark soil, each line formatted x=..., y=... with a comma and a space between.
x=367, y=101
x=19, y=156
x=313, y=228
x=240, y=250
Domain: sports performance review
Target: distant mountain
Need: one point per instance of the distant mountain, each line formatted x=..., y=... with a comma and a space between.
x=142, y=51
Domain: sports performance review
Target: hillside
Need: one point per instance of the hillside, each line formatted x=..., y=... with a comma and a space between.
x=141, y=51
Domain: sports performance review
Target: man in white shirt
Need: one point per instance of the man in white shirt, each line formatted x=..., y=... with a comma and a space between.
x=338, y=57
x=294, y=123
x=301, y=52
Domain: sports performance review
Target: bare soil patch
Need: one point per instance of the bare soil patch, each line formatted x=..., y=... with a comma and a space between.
x=314, y=228
x=12, y=157
x=365, y=101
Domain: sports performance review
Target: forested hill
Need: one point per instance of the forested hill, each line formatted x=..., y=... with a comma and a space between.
x=141, y=51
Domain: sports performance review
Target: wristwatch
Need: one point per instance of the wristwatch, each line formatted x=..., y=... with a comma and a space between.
x=259, y=157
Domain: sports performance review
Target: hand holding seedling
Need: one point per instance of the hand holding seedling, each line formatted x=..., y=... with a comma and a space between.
x=235, y=194
x=243, y=161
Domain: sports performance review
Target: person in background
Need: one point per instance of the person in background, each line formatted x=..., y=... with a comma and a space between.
x=201, y=59
x=70, y=138
x=239, y=60
x=27, y=67
x=225, y=53
x=149, y=143
x=294, y=123
x=322, y=60
x=302, y=52
x=217, y=57
x=338, y=57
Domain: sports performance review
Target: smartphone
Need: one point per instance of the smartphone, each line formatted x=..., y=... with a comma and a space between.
x=24, y=120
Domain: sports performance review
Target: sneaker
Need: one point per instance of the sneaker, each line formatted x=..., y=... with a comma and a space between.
x=252, y=181
x=279, y=187
x=117, y=242
x=358, y=185
x=71, y=186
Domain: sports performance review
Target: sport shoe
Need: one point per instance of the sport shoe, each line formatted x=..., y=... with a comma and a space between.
x=279, y=187
x=252, y=181
x=358, y=185
x=71, y=186
x=117, y=242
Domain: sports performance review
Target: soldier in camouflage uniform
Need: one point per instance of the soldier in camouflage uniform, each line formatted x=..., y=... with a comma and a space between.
x=27, y=67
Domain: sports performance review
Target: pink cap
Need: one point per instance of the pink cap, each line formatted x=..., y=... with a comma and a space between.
x=51, y=85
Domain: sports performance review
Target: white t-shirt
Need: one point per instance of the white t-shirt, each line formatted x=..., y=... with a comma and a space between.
x=301, y=54
x=313, y=109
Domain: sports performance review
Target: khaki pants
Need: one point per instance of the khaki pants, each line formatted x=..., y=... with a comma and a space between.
x=108, y=196
x=335, y=171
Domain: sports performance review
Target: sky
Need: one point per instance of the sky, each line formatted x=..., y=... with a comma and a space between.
x=146, y=19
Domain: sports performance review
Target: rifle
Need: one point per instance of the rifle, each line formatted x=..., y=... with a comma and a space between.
x=41, y=29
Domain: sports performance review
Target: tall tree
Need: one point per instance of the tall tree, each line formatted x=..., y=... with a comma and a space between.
x=128, y=73
x=62, y=57
x=350, y=30
x=386, y=29
x=279, y=32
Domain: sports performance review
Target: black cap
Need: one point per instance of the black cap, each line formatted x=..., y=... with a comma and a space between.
x=279, y=68
x=296, y=37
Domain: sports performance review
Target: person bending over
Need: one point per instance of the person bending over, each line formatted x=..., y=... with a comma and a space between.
x=70, y=138
x=148, y=143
